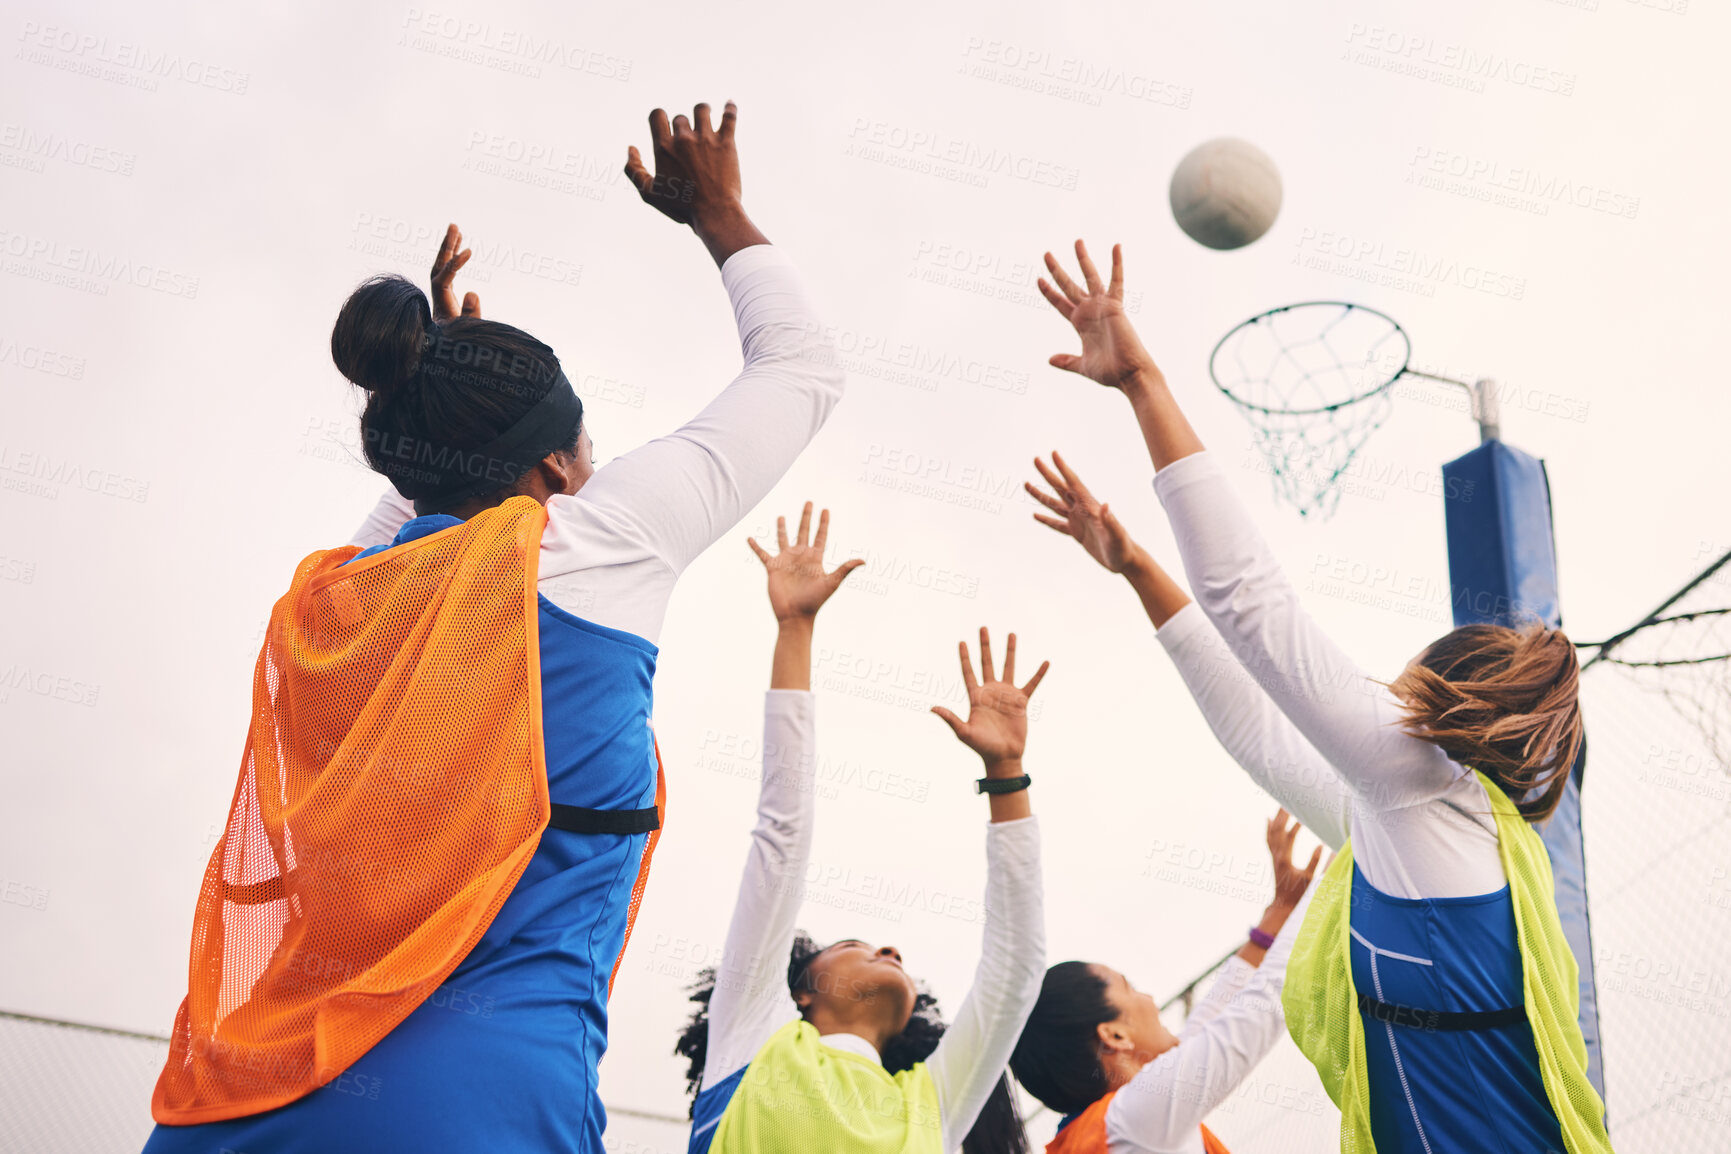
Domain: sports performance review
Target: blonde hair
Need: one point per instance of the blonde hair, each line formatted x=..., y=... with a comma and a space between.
x=1504, y=701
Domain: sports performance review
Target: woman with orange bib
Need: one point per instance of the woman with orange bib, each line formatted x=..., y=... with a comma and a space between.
x=450, y=793
x=1430, y=984
x=1096, y=1051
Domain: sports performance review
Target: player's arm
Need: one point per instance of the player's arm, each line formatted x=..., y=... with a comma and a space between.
x=751, y=1000
x=976, y=1047
x=1161, y=1107
x=695, y=179
x=1353, y=723
x=684, y=490
x=1260, y=738
x=1113, y=354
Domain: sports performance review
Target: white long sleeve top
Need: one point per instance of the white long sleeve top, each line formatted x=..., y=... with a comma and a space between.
x=1307, y=724
x=1161, y=1109
x=1252, y=729
x=751, y=999
x=612, y=551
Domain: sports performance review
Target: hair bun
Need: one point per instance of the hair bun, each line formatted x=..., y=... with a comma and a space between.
x=381, y=333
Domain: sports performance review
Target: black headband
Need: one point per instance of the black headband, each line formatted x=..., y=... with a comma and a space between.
x=439, y=476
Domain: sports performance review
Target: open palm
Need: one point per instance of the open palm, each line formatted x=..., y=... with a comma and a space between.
x=1112, y=353
x=798, y=586
x=997, y=724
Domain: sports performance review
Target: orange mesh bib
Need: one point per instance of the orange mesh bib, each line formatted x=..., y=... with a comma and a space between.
x=393, y=788
x=1087, y=1133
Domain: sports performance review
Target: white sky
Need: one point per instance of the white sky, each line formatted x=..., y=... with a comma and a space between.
x=279, y=158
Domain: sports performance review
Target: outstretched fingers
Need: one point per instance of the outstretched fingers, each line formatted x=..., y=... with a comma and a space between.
x=955, y=723
x=822, y=531
x=447, y=248
x=445, y=266
x=1034, y=681
x=660, y=131
x=986, y=673
x=1071, y=291
x=1113, y=525
x=1057, y=299
x=1046, y=498
x=804, y=526
x=1053, y=479
x=1282, y=833
x=835, y=579
x=1115, y=290
x=1010, y=659
x=968, y=680
x=762, y=553
x=446, y=271
x=1072, y=482
x=1090, y=274
x=637, y=172
x=1053, y=523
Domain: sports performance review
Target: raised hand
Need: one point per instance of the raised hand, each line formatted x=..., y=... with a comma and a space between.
x=1080, y=516
x=1290, y=881
x=1112, y=353
x=445, y=267
x=798, y=586
x=696, y=178
x=997, y=724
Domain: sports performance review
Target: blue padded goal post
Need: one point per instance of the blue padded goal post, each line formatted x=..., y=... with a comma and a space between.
x=1503, y=570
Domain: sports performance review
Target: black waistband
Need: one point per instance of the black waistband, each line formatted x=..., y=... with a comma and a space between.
x=1411, y=1016
x=576, y=819
x=570, y=818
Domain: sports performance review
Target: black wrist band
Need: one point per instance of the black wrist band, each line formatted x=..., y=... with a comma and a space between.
x=1003, y=784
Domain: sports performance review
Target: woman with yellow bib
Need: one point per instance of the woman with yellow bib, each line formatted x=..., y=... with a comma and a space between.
x=798, y=1049
x=1430, y=983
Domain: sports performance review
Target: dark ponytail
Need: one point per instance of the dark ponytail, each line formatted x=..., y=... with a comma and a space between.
x=998, y=1129
x=1057, y=1058
x=436, y=388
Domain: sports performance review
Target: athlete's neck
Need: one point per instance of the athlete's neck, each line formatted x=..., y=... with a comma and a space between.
x=1120, y=1066
x=860, y=1022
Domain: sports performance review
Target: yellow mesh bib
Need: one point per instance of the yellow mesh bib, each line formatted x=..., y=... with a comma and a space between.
x=1322, y=1005
x=800, y=1096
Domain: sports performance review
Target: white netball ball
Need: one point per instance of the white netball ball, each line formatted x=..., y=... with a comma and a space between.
x=1225, y=193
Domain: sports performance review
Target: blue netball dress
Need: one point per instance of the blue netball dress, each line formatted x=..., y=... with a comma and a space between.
x=503, y=1056
x=1443, y=1091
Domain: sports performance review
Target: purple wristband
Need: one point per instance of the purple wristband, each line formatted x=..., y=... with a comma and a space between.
x=1258, y=938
